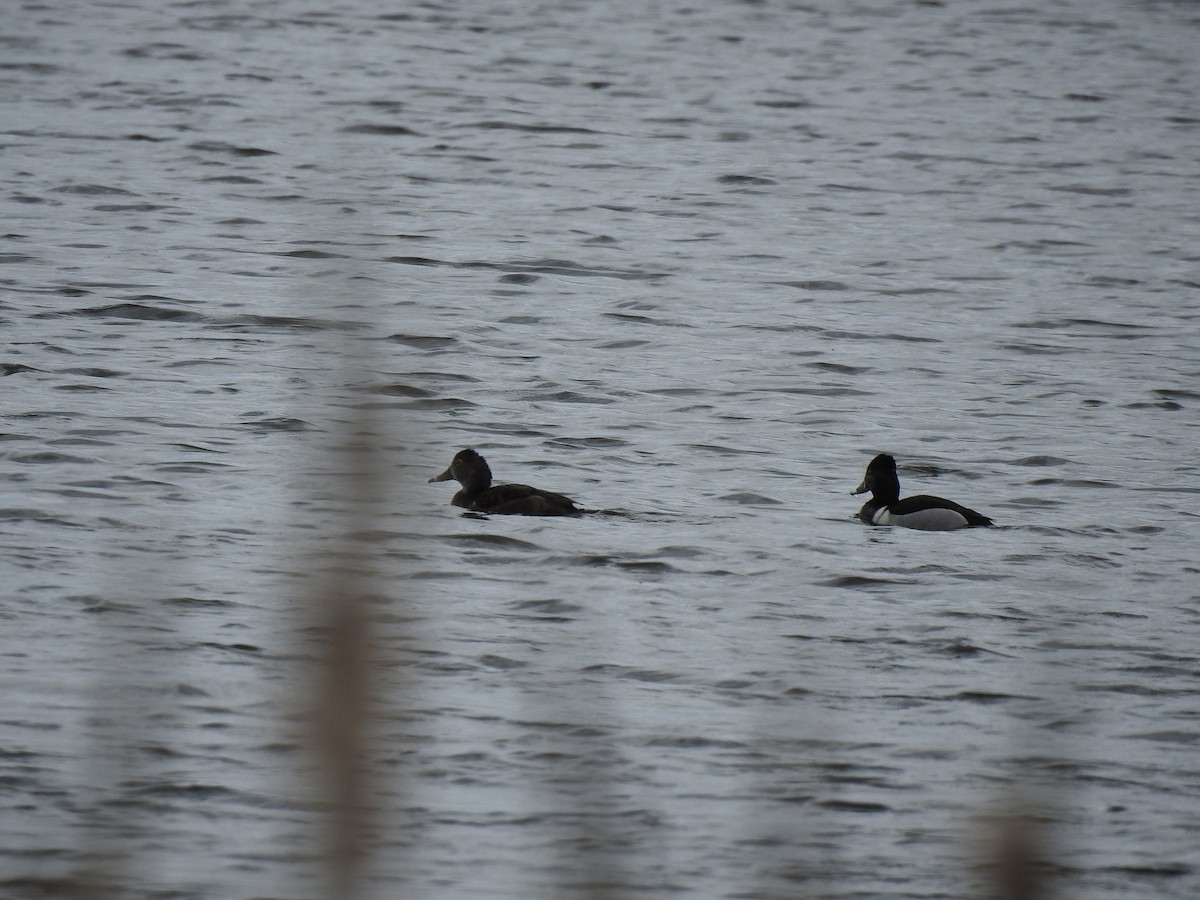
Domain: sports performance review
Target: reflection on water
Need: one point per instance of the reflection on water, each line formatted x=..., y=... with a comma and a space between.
x=268, y=270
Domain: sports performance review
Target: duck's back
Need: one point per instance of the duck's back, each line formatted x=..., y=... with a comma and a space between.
x=935, y=514
x=523, y=500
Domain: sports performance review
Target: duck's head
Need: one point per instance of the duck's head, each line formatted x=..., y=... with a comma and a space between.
x=467, y=467
x=881, y=478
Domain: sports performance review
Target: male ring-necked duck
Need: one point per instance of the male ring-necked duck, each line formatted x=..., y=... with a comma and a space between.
x=470, y=470
x=924, y=512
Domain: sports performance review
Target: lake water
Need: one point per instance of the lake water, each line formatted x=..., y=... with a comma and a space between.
x=692, y=265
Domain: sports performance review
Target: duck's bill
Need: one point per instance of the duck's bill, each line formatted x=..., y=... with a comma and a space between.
x=861, y=489
x=445, y=476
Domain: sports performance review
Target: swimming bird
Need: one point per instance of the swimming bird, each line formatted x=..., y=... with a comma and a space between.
x=478, y=493
x=924, y=512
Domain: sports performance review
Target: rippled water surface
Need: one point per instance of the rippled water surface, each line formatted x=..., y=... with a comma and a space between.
x=692, y=265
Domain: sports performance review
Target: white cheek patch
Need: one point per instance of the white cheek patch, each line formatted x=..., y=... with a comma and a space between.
x=934, y=519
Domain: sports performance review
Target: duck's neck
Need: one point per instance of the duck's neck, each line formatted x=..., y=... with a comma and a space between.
x=476, y=483
x=887, y=492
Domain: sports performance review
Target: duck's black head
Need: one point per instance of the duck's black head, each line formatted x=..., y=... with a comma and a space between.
x=469, y=469
x=881, y=479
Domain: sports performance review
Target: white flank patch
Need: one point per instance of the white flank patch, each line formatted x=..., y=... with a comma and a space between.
x=935, y=519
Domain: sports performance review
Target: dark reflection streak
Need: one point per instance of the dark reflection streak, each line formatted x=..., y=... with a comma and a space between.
x=588, y=853
x=345, y=667
x=121, y=729
x=349, y=707
x=341, y=720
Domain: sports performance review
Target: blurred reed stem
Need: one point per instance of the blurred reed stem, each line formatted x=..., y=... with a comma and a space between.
x=344, y=717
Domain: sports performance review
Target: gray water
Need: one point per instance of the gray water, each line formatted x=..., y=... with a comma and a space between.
x=692, y=265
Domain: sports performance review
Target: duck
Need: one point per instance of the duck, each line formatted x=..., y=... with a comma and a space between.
x=478, y=493
x=922, y=511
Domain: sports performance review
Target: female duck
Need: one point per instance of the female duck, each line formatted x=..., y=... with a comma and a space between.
x=924, y=512
x=470, y=470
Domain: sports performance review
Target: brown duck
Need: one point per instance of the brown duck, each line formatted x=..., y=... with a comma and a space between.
x=478, y=493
